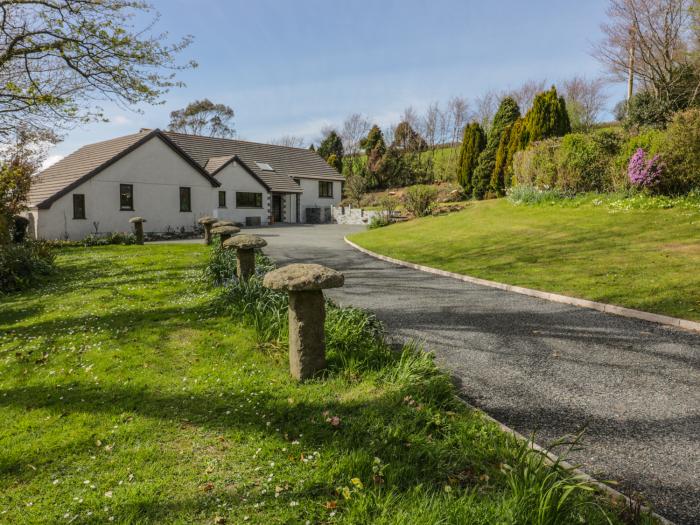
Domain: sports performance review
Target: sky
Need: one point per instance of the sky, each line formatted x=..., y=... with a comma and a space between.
x=291, y=67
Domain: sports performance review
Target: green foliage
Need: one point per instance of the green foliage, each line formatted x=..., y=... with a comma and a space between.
x=650, y=140
x=407, y=139
x=497, y=184
x=547, y=118
x=578, y=162
x=536, y=166
x=508, y=112
x=66, y=56
x=420, y=199
x=24, y=263
x=646, y=110
x=681, y=153
x=331, y=149
x=203, y=117
x=473, y=143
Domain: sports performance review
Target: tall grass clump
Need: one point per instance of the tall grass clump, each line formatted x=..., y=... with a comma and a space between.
x=530, y=195
x=23, y=264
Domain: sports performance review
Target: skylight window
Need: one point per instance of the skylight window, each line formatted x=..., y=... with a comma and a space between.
x=264, y=166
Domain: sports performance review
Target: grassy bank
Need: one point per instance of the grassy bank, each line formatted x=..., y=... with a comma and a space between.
x=132, y=392
x=619, y=251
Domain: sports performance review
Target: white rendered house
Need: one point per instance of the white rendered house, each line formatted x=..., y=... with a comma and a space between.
x=173, y=179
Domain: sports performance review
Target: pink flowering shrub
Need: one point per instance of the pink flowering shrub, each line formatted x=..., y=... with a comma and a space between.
x=644, y=174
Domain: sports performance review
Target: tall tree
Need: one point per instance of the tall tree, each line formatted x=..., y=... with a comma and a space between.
x=525, y=94
x=508, y=112
x=203, y=117
x=331, y=149
x=60, y=58
x=650, y=40
x=473, y=143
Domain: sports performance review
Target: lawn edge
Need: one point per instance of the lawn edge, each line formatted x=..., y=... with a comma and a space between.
x=676, y=322
x=552, y=458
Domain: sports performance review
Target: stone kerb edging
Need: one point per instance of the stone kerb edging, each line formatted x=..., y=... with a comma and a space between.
x=557, y=298
x=552, y=458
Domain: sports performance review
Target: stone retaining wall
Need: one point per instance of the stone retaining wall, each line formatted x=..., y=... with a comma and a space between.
x=350, y=215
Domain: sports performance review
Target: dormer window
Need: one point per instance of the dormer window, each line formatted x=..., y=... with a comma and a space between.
x=264, y=166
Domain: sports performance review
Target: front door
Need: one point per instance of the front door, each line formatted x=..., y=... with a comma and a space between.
x=277, y=208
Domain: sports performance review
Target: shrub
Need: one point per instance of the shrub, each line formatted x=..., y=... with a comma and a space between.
x=420, y=199
x=582, y=164
x=681, y=152
x=644, y=174
x=536, y=166
x=645, y=110
x=24, y=263
x=651, y=141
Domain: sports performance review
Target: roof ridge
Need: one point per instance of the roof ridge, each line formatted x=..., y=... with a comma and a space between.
x=235, y=140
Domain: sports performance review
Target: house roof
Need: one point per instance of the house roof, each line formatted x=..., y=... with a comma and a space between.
x=83, y=164
x=286, y=162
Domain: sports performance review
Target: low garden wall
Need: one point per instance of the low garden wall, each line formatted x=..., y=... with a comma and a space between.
x=350, y=215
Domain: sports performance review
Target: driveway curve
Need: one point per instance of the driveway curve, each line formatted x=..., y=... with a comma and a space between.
x=540, y=367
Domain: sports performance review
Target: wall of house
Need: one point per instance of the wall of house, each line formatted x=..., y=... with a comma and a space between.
x=156, y=172
x=234, y=178
x=310, y=196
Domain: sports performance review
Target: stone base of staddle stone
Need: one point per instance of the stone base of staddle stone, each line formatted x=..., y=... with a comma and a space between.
x=245, y=263
x=307, y=345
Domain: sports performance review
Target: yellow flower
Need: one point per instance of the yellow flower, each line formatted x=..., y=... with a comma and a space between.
x=357, y=482
x=346, y=493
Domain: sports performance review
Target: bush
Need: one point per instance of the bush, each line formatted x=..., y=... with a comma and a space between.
x=526, y=194
x=651, y=141
x=24, y=263
x=536, y=166
x=681, y=153
x=579, y=162
x=644, y=174
x=420, y=199
x=645, y=110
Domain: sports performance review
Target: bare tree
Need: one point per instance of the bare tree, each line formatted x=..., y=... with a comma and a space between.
x=486, y=106
x=585, y=100
x=291, y=141
x=409, y=115
x=526, y=93
x=355, y=128
x=649, y=40
x=58, y=58
x=429, y=124
x=458, y=108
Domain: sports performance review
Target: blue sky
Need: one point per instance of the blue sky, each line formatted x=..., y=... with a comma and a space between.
x=291, y=67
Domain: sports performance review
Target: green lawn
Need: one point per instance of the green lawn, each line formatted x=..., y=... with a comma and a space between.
x=130, y=394
x=640, y=258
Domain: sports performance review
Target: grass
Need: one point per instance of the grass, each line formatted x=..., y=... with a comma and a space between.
x=636, y=252
x=133, y=392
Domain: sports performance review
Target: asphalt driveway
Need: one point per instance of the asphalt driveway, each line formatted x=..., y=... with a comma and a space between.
x=539, y=366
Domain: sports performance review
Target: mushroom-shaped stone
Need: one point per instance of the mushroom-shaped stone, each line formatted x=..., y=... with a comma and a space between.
x=138, y=228
x=307, y=313
x=206, y=223
x=245, y=246
x=225, y=231
x=218, y=223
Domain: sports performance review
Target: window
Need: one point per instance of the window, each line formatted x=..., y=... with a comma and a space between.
x=78, y=206
x=185, y=199
x=222, y=199
x=325, y=189
x=245, y=199
x=264, y=166
x=126, y=197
